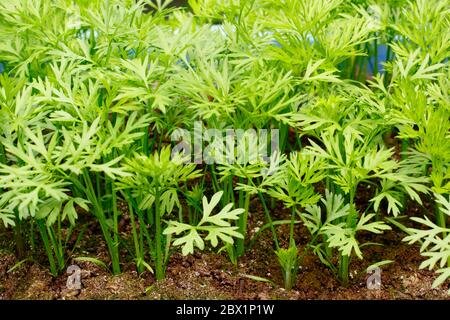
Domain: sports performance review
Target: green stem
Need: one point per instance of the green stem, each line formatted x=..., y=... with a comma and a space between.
x=56, y=246
x=145, y=141
x=115, y=221
x=388, y=58
x=240, y=243
x=284, y=136
x=291, y=228
x=143, y=231
x=99, y=213
x=2, y=154
x=137, y=246
x=241, y=194
x=230, y=190
x=214, y=179
x=18, y=239
x=48, y=250
x=440, y=218
x=344, y=260
x=343, y=269
x=158, y=236
x=60, y=247
x=32, y=241
x=97, y=185
x=269, y=219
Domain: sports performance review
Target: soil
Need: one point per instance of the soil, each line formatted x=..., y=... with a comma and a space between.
x=209, y=275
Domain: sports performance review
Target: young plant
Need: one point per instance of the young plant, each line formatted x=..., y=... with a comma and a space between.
x=296, y=191
x=152, y=190
x=435, y=242
x=352, y=161
x=330, y=229
x=255, y=178
x=45, y=169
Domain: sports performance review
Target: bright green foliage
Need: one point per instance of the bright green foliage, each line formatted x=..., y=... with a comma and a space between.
x=154, y=183
x=216, y=226
x=158, y=173
x=435, y=242
x=331, y=224
x=92, y=93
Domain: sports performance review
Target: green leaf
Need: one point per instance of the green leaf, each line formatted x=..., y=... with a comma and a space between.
x=7, y=217
x=259, y=279
x=379, y=264
x=444, y=276
x=374, y=227
x=189, y=241
x=92, y=260
x=216, y=226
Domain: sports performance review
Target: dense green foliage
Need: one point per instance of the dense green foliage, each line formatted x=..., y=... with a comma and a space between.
x=92, y=92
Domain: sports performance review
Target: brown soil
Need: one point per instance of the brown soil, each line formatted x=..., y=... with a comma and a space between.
x=209, y=275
